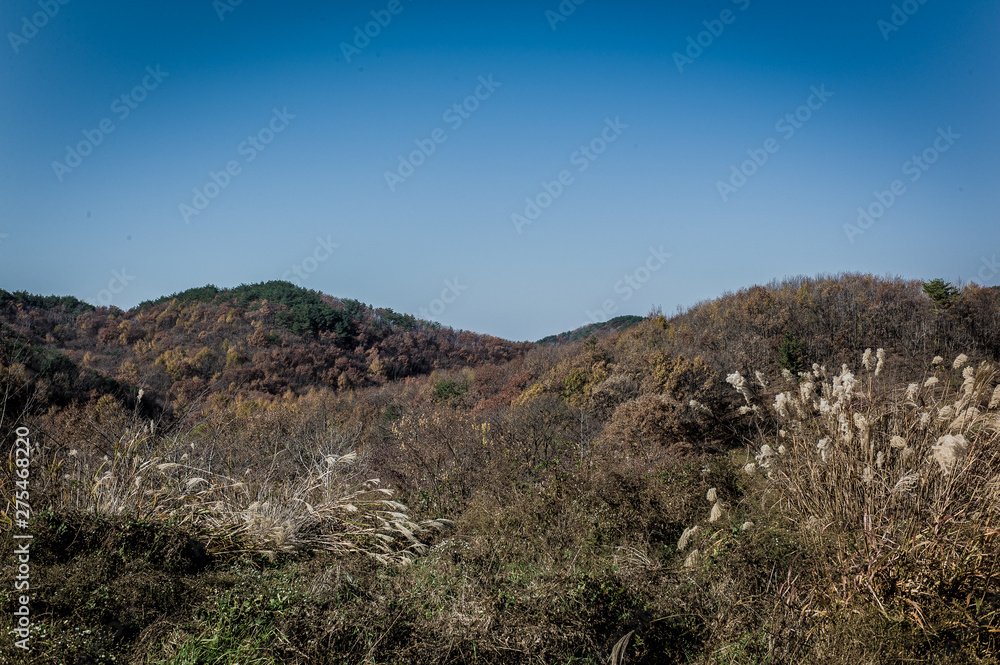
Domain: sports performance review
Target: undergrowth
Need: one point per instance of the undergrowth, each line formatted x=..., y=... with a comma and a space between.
x=849, y=519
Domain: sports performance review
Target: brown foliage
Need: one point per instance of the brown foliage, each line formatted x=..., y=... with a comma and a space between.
x=656, y=420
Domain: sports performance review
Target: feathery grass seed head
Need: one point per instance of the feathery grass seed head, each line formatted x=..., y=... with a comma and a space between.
x=949, y=451
x=824, y=448
x=686, y=537
x=760, y=379
x=781, y=404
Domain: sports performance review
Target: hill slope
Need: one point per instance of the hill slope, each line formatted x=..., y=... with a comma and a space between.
x=256, y=339
x=629, y=493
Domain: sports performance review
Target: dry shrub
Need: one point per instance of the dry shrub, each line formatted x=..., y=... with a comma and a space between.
x=681, y=378
x=611, y=393
x=651, y=420
x=433, y=455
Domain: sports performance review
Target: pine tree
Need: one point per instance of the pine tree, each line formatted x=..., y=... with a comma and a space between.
x=790, y=353
x=941, y=292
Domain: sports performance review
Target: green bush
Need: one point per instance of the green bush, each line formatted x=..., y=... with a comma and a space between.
x=448, y=390
x=790, y=353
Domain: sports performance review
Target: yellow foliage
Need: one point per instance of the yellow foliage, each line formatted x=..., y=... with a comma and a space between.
x=343, y=382
x=531, y=393
x=234, y=358
x=680, y=378
x=484, y=429
x=204, y=360
x=144, y=346
x=107, y=411
x=174, y=364
x=376, y=368
x=128, y=371
x=124, y=328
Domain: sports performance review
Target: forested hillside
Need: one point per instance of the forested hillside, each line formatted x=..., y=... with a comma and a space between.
x=613, y=325
x=256, y=340
x=805, y=471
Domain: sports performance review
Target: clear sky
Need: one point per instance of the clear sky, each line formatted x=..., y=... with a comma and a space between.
x=513, y=168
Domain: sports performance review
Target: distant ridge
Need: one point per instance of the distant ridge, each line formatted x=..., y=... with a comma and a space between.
x=600, y=329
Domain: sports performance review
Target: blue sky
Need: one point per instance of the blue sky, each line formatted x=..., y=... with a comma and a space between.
x=627, y=124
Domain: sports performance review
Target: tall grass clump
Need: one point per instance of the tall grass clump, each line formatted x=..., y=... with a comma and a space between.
x=280, y=502
x=898, y=488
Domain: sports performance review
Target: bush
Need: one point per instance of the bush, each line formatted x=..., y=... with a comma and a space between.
x=790, y=353
x=657, y=420
x=448, y=390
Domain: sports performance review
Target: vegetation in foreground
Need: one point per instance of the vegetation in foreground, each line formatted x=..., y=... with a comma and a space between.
x=673, y=492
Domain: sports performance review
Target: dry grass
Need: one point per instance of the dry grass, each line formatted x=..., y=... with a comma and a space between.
x=316, y=502
x=899, y=485
x=875, y=546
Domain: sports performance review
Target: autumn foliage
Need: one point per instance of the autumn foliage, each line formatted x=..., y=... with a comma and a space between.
x=560, y=502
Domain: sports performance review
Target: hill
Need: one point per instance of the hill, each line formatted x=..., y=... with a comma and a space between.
x=803, y=471
x=616, y=324
x=260, y=339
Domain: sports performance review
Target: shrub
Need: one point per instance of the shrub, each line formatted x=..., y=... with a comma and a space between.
x=790, y=353
x=651, y=420
x=610, y=393
x=448, y=390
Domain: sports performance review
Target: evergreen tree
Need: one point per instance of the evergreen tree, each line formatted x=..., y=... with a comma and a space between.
x=941, y=292
x=790, y=353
